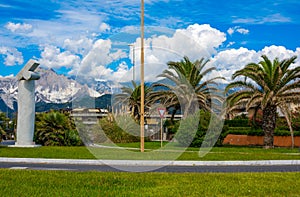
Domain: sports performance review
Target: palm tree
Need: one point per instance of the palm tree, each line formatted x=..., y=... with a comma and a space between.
x=131, y=97
x=55, y=129
x=187, y=86
x=267, y=85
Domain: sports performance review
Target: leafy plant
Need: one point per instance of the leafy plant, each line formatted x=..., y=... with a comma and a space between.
x=266, y=86
x=55, y=129
x=196, y=130
x=109, y=130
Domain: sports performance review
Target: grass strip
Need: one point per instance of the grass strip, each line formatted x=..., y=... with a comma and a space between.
x=153, y=153
x=65, y=183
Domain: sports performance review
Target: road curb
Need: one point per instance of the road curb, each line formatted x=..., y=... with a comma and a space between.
x=149, y=162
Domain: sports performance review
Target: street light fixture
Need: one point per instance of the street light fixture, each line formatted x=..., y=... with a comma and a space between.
x=133, y=61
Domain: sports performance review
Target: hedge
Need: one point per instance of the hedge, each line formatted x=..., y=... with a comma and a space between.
x=258, y=132
x=237, y=123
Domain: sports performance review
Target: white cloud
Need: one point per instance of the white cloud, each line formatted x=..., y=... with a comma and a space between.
x=230, y=44
x=8, y=76
x=276, y=51
x=72, y=23
x=196, y=41
x=104, y=27
x=274, y=18
x=92, y=61
x=11, y=56
x=205, y=36
x=81, y=46
x=123, y=73
x=52, y=57
x=230, y=31
x=99, y=55
x=18, y=27
x=102, y=59
x=238, y=29
x=242, y=31
x=229, y=61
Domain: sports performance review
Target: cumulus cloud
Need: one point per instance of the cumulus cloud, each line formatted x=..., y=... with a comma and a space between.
x=104, y=59
x=52, y=57
x=238, y=29
x=18, y=27
x=85, y=57
x=228, y=61
x=276, y=51
x=231, y=60
x=196, y=41
x=11, y=56
x=123, y=73
x=101, y=54
x=81, y=46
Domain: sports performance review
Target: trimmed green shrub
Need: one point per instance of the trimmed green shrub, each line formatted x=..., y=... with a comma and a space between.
x=258, y=132
x=244, y=131
x=237, y=123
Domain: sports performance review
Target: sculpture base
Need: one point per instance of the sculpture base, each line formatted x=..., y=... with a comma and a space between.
x=25, y=146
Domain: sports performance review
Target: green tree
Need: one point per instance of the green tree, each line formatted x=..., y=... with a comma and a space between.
x=4, y=121
x=4, y=124
x=131, y=97
x=55, y=129
x=267, y=85
x=188, y=86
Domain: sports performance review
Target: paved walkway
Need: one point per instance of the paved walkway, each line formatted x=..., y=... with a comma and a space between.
x=150, y=162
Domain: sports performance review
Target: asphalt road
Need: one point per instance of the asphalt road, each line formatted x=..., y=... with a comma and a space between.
x=177, y=169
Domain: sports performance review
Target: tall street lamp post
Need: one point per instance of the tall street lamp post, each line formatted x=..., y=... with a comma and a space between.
x=142, y=77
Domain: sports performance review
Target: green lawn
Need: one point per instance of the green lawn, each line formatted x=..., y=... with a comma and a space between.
x=63, y=152
x=64, y=183
x=152, y=152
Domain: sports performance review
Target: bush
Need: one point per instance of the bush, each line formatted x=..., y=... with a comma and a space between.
x=258, y=132
x=113, y=132
x=244, y=131
x=172, y=126
x=193, y=136
x=187, y=131
x=55, y=129
x=237, y=123
x=279, y=132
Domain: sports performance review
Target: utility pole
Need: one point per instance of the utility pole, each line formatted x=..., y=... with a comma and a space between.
x=142, y=78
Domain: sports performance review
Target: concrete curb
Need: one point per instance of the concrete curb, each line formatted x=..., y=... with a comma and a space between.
x=149, y=162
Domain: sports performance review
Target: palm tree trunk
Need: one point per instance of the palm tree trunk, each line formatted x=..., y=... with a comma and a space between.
x=291, y=130
x=268, y=125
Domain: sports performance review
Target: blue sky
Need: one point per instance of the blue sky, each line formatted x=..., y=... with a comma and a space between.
x=91, y=37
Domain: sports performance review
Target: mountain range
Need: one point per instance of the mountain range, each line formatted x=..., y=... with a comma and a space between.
x=55, y=91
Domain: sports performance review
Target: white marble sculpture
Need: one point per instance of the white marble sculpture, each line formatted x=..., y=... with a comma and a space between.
x=26, y=104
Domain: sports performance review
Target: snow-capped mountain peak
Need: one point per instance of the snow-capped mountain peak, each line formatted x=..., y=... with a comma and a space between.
x=50, y=88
